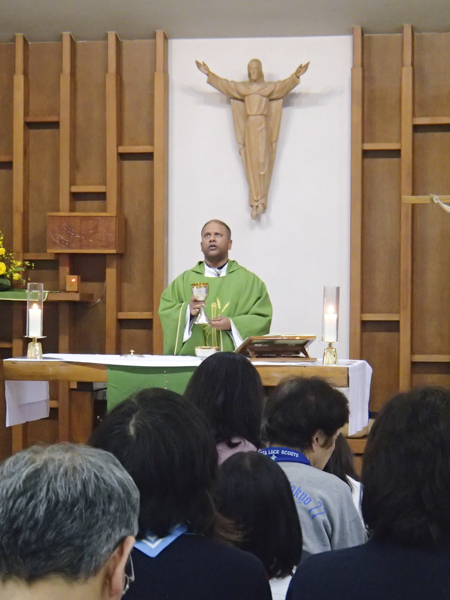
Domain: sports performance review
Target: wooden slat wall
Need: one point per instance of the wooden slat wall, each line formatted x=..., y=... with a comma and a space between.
x=402, y=326
x=78, y=134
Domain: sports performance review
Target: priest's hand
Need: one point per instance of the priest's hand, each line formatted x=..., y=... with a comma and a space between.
x=221, y=323
x=195, y=306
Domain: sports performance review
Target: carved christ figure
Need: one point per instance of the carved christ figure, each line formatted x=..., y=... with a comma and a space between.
x=256, y=106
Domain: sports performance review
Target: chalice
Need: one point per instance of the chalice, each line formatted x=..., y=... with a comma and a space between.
x=200, y=292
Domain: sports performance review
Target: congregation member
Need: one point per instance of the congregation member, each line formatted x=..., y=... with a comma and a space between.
x=68, y=517
x=406, y=506
x=341, y=463
x=302, y=419
x=183, y=550
x=242, y=303
x=228, y=390
x=254, y=492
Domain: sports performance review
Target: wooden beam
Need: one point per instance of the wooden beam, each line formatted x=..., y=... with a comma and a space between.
x=424, y=199
x=356, y=193
x=160, y=196
x=407, y=103
x=67, y=122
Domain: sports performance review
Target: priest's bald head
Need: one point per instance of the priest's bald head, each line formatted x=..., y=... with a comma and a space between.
x=216, y=242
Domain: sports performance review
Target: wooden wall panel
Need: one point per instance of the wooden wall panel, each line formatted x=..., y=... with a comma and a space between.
x=380, y=347
x=44, y=68
x=138, y=67
x=432, y=74
x=6, y=191
x=136, y=335
x=431, y=288
x=432, y=160
x=382, y=87
x=44, y=182
x=381, y=233
x=6, y=98
x=430, y=374
x=5, y=432
x=137, y=263
x=88, y=333
x=90, y=140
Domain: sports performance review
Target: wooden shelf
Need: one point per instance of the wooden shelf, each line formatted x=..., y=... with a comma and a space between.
x=135, y=150
x=6, y=345
x=380, y=317
x=431, y=121
x=53, y=403
x=379, y=146
x=423, y=199
x=430, y=358
x=69, y=297
x=38, y=119
x=135, y=315
x=39, y=256
x=6, y=158
x=88, y=189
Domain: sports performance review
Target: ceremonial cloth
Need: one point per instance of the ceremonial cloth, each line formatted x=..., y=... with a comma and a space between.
x=240, y=296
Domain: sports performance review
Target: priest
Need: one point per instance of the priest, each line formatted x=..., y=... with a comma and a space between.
x=238, y=304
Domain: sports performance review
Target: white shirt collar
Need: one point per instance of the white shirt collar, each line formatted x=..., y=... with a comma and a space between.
x=210, y=272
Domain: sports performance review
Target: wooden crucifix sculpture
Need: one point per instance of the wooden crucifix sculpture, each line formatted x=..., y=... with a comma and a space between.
x=256, y=105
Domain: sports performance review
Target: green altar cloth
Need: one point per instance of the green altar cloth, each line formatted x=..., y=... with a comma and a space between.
x=124, y=381
x=15, y=295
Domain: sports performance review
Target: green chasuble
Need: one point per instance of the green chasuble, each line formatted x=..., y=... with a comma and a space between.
x=240, y=295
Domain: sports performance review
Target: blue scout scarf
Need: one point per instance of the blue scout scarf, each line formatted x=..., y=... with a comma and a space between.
x=152, y=545
x=285, y=455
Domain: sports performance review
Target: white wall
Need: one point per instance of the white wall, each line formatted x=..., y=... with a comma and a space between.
x=302, y=242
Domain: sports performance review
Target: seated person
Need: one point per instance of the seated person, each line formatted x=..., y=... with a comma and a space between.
x=255, y=494
x=227, y=389
x=406, y=506
x=68, y=517
x=341, y=463
x=302, y=419
x=165, y=444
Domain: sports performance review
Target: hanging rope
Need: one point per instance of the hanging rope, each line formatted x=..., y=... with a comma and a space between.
x=437, y=200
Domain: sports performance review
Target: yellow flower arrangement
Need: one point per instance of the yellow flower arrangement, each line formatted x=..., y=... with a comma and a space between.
x=9, y=267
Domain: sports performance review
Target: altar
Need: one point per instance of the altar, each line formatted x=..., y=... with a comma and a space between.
x=127, y=374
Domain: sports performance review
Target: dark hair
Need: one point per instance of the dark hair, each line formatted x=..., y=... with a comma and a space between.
x=255, y=493
x=227, y=389
x=298, y=407
x=166, y=446
x=220, y=223
x=341, y=462
x=406, y=469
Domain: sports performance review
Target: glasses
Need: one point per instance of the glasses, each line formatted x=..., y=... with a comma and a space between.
x=128, y=578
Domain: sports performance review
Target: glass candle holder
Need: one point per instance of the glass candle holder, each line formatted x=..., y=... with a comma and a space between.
x=35, y=311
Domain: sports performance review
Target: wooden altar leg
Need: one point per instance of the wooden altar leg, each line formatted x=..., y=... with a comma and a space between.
x=81, y=415
x=63, y=412
x=19, y=438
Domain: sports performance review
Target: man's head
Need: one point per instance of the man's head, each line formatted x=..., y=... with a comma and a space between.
x=68, y=514
x=216, y=242
x=306, y=414
x=255, y=72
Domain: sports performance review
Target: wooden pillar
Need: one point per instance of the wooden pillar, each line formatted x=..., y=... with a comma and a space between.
x=20, y=200
x=356, y=192
x=113, y=203
x=160, y=200
x=406, y=209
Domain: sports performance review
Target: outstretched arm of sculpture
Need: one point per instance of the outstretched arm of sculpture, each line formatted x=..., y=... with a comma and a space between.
x=203, y=67
x=223, y=85
x=300, y=71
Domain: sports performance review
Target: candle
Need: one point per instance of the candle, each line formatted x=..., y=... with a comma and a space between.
x=330, y=325
x=34, y=322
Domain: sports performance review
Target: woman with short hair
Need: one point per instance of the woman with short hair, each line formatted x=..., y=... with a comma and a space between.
x=254, y=493
x=183, y=549
x=228, y=390
x=406, y=506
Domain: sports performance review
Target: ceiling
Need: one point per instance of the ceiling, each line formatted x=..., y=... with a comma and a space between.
x=44, y=20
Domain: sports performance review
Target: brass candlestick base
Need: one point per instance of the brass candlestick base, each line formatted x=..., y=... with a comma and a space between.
x=330, y=355
x=34, y=349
